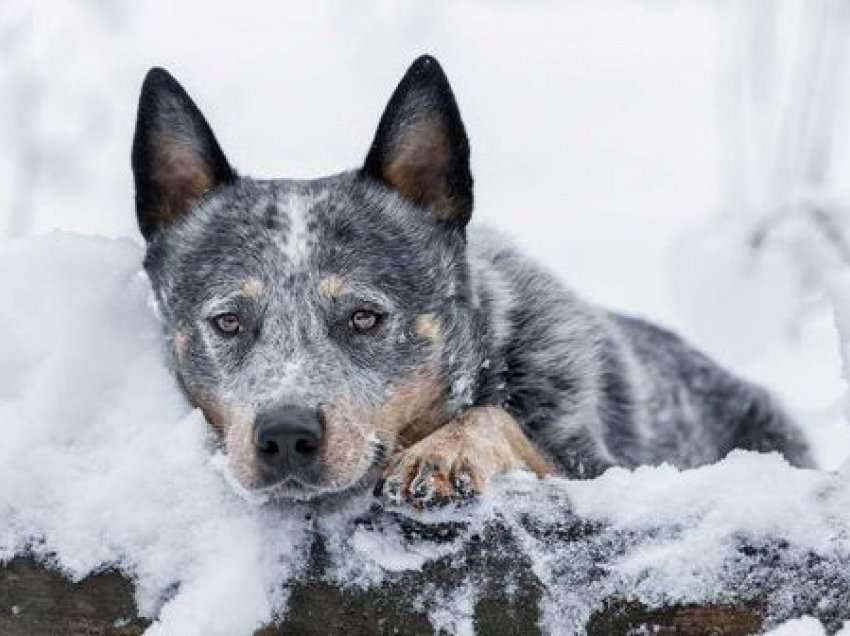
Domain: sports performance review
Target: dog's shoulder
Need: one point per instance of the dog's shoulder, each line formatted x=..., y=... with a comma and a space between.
x=548, y=350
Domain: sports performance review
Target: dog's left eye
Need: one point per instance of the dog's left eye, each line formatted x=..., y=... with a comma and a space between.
x=364, y=320
x=227, y=324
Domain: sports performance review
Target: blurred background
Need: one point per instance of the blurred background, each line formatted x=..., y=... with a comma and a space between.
x=686, y=161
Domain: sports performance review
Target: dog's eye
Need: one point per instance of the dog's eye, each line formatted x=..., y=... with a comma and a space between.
x=227, y=324
x=364, y=320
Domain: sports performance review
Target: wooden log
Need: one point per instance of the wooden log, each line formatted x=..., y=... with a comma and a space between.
x=36, y=600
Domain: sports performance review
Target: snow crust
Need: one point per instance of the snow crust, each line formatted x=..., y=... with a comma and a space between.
x=806, y=626
x=103, y=464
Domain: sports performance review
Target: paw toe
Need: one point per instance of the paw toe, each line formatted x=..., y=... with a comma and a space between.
x=431, y=484
x=396, y=479
x=466, y=479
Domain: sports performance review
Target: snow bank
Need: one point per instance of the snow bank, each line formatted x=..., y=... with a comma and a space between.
x=803, y=626
x=102, y=461
x=840, y=295
x=103, y=464
x=806, y=626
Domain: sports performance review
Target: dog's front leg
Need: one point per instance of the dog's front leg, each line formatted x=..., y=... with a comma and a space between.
x=459, y=458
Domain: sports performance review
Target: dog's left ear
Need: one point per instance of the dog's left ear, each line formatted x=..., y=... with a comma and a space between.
x=421, y=149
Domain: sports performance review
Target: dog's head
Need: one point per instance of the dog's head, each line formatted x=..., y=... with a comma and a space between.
x=316, y=323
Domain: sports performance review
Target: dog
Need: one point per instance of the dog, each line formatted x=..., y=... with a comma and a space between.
x=353, y=331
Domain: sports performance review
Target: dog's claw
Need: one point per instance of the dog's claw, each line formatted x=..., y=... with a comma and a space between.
x=421, y=488
x=463, y=484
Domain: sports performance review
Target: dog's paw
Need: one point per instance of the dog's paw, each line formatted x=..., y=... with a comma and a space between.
x=428, y=476
x=457, y=460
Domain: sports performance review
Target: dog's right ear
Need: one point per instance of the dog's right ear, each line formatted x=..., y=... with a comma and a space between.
x=176, y=157
x=421, y=150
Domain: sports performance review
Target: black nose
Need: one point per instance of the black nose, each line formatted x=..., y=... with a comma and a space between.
x=288, y=437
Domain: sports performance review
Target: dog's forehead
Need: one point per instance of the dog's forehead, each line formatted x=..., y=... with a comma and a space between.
x=305, y=224
x=255, y=221
x=281, y=232
x=286, y=216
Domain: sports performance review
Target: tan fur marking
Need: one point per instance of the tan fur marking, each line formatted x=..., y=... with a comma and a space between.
x=180, y=174
x=351, y=433
x=415, y=408
x=179, y=344
x=214, y=413
x=413, y=411
x=332, y=286
x=472, y=448
x=239, y=442
x=235, y=426
x=253, y=288
x=418, y=164
x=346, y=447
x=428, y=326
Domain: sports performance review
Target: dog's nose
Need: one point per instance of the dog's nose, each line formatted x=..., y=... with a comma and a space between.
x=288, y=437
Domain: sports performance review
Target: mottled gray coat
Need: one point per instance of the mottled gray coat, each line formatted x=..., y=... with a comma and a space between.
x=324, y=325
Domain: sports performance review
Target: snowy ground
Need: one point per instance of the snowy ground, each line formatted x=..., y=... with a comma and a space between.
x=597, y=142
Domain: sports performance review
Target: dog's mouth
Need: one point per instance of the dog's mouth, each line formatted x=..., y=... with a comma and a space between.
x=302, y=488
x=298, y=488
x=293, y=489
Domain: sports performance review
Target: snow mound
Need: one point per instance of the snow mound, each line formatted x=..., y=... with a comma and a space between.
x=103, y=464
x=806, y=626
x=102, y=461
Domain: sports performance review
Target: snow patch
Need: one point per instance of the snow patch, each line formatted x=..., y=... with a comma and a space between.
x=803, y=626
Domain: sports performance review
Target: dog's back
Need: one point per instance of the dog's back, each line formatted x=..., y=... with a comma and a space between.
x=597, y=388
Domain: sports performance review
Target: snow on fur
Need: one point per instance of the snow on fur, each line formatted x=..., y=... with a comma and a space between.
x=104, y=464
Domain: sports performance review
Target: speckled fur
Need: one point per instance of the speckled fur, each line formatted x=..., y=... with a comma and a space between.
x=469, y=320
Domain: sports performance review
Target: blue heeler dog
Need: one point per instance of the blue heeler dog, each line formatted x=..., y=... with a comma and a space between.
x=351, y=330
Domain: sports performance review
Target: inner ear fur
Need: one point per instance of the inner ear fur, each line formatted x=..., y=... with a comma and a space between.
x=176, y=157
x=420, y=149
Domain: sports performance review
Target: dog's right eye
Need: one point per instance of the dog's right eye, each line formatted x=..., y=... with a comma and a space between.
x=227, y=324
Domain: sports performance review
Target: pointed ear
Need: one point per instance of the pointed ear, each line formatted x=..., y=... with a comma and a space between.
x=176, y=157
x=421, y=149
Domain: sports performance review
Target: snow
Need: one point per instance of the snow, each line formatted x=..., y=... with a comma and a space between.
x=806, y=626
x=840, y=295
x=452, y=614
x=598, y=148
x=104, y=464
x=803, y=626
